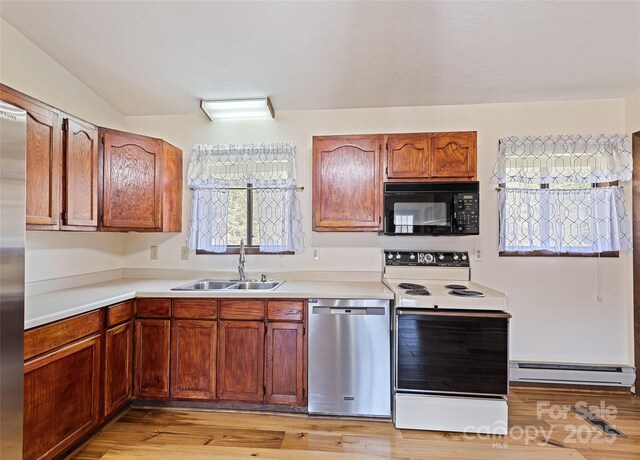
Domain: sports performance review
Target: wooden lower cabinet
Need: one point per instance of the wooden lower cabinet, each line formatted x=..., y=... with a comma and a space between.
x=118, y=367
x=284, y=363
x=241, y=361
x=193, y=359
x=61, y=398
x=152, y=358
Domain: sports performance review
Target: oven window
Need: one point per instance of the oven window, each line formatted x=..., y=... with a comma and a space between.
x=408, y=215
x=452, y=354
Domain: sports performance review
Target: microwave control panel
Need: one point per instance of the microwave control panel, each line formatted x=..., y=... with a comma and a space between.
x=426, y=258
x=466, y=218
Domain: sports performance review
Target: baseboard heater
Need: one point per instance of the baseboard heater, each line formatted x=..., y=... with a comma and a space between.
x=572, y=374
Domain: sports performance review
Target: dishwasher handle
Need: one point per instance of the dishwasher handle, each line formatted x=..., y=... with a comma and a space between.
x=353, y=311
x=348, y=311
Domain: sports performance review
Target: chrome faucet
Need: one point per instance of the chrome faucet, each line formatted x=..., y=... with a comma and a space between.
x=241, y=261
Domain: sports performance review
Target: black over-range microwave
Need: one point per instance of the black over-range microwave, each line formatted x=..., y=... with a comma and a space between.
x=431, y=208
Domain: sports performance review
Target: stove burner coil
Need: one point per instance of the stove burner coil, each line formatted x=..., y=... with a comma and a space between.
x=417, y=292
x=410, y=286
x=456, y=286
x=466, y=293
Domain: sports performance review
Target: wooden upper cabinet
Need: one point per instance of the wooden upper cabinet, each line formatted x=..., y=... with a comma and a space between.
x=44, y=160
x=347, y=183
x=132, y=194
x=430, y=157
x=142, y=183
x=454, y=156
x=407, y=156
x=80, y=174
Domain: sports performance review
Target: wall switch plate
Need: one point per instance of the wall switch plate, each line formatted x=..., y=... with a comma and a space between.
x=477, y=254
x=154, y=252
x=316, y=254
x=184, y=253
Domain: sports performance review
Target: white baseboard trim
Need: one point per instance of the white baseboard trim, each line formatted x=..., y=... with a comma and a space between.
x=572, y=374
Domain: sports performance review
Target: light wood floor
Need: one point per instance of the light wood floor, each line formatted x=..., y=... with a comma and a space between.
x=542, y=426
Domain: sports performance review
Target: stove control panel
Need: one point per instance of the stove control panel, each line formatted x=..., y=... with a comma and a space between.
x=426, y=258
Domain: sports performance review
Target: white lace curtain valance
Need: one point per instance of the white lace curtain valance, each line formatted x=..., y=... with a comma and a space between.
x=225, y=165
x=580, y=159
x=270, y=169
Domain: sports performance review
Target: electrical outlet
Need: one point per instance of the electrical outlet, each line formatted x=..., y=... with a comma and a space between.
x=154, y=252
x=477, y=254
x=316, y=254
x=184, y=253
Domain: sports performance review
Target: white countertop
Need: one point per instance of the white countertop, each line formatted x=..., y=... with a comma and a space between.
x=52, y=306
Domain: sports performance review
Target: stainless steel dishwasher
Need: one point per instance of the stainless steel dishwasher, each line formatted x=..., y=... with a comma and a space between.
x=350, y=357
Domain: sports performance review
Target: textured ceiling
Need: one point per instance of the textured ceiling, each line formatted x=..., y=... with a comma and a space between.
x=154, y=58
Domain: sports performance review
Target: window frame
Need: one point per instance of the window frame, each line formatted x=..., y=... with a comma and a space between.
x=545, y=253
x=249, y=247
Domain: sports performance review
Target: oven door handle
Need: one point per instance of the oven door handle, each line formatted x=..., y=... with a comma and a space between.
x=468, y=314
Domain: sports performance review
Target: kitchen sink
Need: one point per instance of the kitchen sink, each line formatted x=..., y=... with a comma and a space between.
x=205, y=285
x=258, y=285
x=228, y=285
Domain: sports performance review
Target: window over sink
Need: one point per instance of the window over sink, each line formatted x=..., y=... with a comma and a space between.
x=244, y=191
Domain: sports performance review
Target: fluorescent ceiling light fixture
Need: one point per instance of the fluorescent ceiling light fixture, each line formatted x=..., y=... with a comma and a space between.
x=238, y=108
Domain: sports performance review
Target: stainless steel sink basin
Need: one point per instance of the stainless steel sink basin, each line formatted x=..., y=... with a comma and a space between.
x=228, y=285
x=205, y=285
x=258, y=285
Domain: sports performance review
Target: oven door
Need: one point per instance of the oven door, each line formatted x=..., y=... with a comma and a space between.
x=451, y=352
x=421, y=213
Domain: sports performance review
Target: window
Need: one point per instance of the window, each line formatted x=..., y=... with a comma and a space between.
x=559, y=195
x=242, y=220
x=244, y=191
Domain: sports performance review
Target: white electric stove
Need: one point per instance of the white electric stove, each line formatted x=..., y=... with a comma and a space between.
x=450, y=344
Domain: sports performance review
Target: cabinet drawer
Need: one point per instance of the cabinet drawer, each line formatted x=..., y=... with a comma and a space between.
x=46, y=338
x=194, y=308
x=285, y=310
x=153, y=308
x=119, y=313
x=242, y=309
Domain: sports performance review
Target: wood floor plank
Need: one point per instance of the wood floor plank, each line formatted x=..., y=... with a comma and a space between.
x=151, y=452
x=310, y=441
x=418, y=449
x=541, y=426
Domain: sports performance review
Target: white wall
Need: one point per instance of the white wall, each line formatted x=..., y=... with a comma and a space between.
x=26, y=68
x=632, y=112
x=557, y=316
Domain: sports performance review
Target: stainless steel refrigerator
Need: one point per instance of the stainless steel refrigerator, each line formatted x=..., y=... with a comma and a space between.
x=13, y=148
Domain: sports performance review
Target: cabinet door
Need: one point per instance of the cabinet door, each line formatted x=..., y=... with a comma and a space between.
x=80, y=173
x=44, y=160
x=454, y=156
x=61, y=398
x=118, y=367
x=152, y=358
x=241, y=361
x=347, y=183
x=407, y=157
x=284, y=363
x=132, y=195
x=193, y=359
